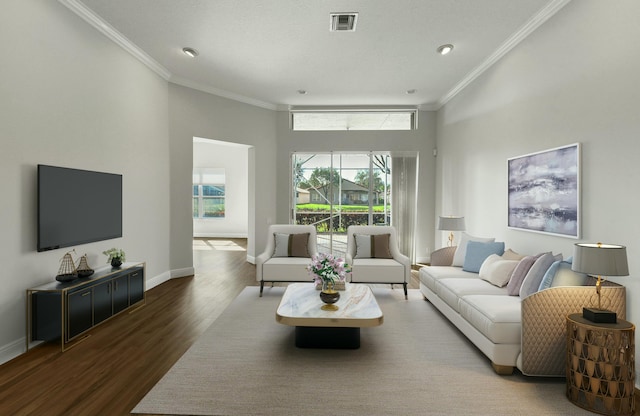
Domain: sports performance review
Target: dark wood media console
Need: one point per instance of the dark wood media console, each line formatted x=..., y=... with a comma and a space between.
x=65, y=311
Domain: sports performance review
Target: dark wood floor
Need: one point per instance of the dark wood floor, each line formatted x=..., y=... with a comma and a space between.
x=122, y=359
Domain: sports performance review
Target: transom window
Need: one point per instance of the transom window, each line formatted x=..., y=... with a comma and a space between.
x=309, y=120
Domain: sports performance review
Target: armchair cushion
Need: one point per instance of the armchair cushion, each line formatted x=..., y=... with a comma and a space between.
x=291, y=245
x=372, y=246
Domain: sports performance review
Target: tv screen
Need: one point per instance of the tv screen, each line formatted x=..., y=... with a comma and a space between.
x=77, y=206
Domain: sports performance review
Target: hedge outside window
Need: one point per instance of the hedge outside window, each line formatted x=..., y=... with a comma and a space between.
x=209, y=193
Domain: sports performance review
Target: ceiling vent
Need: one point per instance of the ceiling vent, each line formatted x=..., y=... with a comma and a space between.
x=343, y=22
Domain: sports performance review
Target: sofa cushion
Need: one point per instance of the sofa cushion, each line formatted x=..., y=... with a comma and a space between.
x=496, y=270
x=461, y=251
x=477, y=252
x=518, y=275
x=377, y=271
x=560, y=274
x=291, y=245
x=372, y=246
x=496, y=317
x=534, y=276
x=429, y=275
x=451, y=290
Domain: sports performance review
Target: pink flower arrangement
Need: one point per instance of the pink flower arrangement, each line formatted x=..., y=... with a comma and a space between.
x=328, y=268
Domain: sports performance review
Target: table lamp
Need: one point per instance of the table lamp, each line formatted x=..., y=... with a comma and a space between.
x=600, y=260
x=451, y=224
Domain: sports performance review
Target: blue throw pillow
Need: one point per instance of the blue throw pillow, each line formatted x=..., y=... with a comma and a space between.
x=477, y=253
x=560, y=274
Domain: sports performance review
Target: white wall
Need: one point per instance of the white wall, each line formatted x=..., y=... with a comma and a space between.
x=421, y=140
x=234, y=159
x=71, y=97
x=576, y=79
x=197, y=114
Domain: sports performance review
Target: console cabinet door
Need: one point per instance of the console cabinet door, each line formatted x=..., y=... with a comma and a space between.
x=80, y=313
x=102, y=308
x=136, y=286
x=120, y=291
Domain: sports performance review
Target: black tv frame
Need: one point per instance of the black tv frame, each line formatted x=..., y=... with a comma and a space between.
x=88, y=205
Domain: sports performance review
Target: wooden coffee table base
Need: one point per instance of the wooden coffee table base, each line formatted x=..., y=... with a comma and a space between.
x=327, y=337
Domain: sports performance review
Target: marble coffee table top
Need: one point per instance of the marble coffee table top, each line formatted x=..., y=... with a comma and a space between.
x=301, y=306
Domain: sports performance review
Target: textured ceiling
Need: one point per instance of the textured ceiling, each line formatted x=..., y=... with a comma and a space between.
x=265, y=51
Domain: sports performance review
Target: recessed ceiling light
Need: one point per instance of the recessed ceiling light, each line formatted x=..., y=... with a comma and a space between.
x=302, y=92
x=190, y=52
x=412, y=91
x=445, y=49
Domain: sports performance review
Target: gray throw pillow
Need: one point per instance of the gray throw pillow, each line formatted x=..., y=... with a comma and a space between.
x=534, y=276
x=518, y=275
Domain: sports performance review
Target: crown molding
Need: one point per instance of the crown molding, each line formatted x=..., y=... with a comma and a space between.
x=109, y=31
x=221, y=93
x=536, y=21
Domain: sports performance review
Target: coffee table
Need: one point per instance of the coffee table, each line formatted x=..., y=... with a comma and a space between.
x=316, y=328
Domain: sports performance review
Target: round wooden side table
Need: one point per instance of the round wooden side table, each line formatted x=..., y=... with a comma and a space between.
x=601, y=365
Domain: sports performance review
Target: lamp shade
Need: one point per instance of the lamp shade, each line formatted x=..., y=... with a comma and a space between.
x=451, y=224
x=600, y=259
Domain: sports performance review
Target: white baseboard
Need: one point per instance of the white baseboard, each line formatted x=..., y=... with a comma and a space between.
x=220, y=235
x=12, y=350
x=187, y=271
x=157, y=280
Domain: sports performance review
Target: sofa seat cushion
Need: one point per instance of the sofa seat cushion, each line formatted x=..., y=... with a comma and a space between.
x=451, y=290
x=496, y=317
x=286, y=269
x=377, y=270
x=429, y=275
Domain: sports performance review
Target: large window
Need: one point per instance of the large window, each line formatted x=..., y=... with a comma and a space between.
x=208, y=193
x=335, y=190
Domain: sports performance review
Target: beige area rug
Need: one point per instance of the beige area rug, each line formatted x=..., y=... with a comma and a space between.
x=416, y=363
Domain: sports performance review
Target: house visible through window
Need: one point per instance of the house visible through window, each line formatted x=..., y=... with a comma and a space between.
x=209, y=193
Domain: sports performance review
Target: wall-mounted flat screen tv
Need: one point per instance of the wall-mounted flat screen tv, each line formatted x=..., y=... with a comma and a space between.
x=77, y=206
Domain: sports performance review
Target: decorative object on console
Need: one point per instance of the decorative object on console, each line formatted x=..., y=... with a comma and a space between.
x=83, y=268
x=544, y=191
x=116, y=256
x=67, y=271
x=600, y=260
x=451, y=224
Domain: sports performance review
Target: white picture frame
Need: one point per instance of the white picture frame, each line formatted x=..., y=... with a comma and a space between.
x=544, y=191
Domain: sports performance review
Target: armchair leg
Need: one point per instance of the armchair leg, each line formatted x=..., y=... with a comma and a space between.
x=261, y=287
x=406, y=295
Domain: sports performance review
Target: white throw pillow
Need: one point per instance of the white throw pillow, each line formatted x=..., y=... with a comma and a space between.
x=497, y=271
x=461, y=251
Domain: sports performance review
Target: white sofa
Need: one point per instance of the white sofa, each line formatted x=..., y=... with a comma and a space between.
x=285, y=268
x=527, y=333
x=368, y=268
